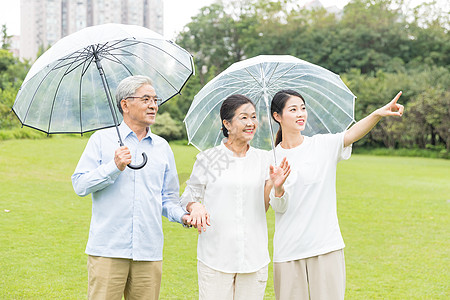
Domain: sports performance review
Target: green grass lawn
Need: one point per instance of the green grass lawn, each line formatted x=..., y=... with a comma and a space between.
x=394, y=214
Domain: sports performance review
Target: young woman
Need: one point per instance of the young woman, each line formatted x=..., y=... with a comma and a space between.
x=233, y=181
x=308, y=246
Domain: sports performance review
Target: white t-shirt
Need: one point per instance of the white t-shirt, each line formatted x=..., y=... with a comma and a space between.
x=232, y=190
x=310, y=227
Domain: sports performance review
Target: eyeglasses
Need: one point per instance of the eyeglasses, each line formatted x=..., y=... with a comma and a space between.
x=147, y=99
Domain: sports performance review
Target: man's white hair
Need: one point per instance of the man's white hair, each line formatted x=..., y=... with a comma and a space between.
x=128, y=87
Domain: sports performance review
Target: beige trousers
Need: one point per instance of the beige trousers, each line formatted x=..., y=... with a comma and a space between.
x=216, y=285
x=315, y=278
x=110, y=278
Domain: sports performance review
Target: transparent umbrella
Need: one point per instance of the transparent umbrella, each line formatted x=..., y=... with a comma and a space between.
x=69, y=88
x=329, y=102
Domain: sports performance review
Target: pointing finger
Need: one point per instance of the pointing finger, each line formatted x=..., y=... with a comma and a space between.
x=394, y=101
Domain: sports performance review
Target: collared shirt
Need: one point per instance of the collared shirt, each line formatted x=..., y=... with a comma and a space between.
x=127, y=206
x=232, y=190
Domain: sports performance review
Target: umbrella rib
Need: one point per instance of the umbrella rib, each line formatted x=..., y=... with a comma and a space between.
x=312, y=83
x=117, y=61
x=53, y=103
x=72, y=58
x=111, y=47
x=137, y=42
x=228, y=85
x=275, y=80
x=187, y=68
x=212, y=99
x=274, y=69
x=84, y=70
x=80, y=94
x=74, y=68
x=56, y=92
x=253, y=77
x=35, y=92
x=156, y=70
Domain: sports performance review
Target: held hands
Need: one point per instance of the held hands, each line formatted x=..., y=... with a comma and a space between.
x=122, y=157
x=199, y=217
x=278, y=176
x=392, y=108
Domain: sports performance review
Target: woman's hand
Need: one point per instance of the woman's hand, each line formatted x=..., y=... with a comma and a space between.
x=278, y=176
x=392, y=108
x=362, y=127
x=199, y=216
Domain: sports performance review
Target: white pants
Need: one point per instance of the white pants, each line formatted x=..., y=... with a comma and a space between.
x=216, y=285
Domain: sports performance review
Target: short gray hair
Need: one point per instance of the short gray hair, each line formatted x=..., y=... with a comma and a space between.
x=128, y=87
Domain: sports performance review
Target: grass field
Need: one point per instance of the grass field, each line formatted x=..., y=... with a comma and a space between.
x=394, y=214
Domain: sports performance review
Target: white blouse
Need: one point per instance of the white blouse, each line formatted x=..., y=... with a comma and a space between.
x=232, y=190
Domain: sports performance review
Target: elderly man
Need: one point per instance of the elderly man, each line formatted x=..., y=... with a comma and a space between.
x=125, y=237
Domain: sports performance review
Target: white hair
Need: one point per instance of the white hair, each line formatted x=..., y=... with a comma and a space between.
x=128, y=87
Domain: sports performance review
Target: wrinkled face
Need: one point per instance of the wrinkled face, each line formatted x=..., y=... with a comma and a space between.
x=141, y=108
x=244, y=123
x=294, y=115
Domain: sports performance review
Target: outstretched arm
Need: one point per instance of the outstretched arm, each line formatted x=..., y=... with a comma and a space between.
x=362, y=127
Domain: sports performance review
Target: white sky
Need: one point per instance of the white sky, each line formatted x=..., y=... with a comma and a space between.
x=177, y=13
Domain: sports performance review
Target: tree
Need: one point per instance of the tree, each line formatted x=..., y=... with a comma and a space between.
x=6, y=44
x=12, y=73
x=167, y=127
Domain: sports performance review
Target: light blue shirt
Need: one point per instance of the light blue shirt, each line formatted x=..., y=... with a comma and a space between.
x=127, y=206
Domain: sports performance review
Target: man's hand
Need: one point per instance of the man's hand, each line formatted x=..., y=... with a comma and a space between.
x=199, y=216
x=186, y=219
x=122, y=157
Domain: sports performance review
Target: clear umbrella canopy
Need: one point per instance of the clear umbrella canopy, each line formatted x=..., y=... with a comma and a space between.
x=330, y=104
x=64, y=91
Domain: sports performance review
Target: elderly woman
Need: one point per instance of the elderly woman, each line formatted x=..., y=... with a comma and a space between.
x=233, y=181
x=308, y=246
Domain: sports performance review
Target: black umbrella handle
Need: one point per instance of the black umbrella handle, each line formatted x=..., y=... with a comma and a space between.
x=141, y=165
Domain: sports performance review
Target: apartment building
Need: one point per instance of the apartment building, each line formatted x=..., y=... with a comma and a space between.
x=44, y=22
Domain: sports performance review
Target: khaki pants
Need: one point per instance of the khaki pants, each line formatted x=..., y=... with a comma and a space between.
x=110, y=278
x=216, y=285
x=315, y=278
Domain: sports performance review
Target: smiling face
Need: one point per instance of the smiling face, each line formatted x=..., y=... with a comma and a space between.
x=138, y=113
x=294, y=115
x=244, y=123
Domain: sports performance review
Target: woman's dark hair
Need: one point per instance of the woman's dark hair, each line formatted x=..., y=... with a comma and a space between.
x=278, y=103
x=229, y=107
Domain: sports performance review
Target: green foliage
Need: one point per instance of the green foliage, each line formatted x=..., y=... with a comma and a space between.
x=5, y=38
x=21, y=133
x=12, y=73
x=426, y=99
x=168, y=128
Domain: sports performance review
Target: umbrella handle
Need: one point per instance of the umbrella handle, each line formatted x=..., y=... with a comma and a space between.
x=140, y=166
